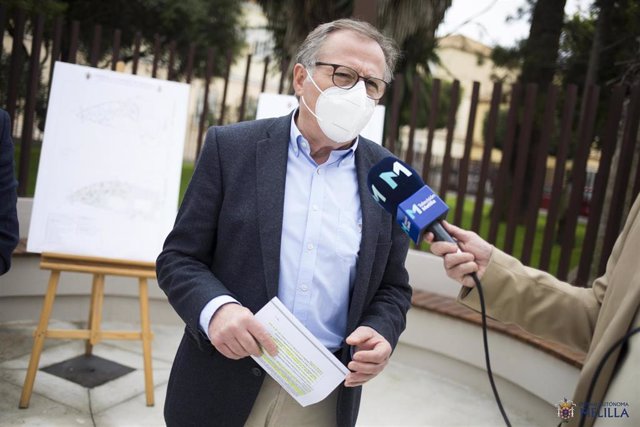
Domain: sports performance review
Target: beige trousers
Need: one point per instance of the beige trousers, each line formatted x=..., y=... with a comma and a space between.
x=275, y=408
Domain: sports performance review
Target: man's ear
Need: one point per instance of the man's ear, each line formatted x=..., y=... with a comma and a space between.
x=299, y=76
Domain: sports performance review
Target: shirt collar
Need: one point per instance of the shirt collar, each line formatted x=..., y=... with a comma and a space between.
x=298, y=142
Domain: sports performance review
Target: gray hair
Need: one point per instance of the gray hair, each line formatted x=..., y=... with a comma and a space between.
x=306, y=54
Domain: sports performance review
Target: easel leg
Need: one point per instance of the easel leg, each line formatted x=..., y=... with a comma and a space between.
x=88, y=347
x=38, y=340
x=146, y=341
x=97, y=297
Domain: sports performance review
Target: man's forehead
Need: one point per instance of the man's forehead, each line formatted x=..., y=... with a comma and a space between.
x=353, y=45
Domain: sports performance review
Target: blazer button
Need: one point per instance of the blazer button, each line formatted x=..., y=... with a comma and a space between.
x=256, y=371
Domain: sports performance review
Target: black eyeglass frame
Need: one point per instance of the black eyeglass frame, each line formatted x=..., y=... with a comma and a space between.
x=364, y=78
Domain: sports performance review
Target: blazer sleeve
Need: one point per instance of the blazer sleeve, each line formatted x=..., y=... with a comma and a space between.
x=9, y=233
x=184, y=265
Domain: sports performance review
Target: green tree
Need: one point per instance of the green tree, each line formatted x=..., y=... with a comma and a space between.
x=205, y=23
x=411, y=23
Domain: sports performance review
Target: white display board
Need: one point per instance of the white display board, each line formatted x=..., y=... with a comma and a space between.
x=275, y=105
x=110, y=165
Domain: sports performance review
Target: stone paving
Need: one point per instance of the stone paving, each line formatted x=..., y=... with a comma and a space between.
x=401, y=396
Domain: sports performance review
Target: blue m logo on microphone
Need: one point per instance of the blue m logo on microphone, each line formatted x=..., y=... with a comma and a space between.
x=389, y=177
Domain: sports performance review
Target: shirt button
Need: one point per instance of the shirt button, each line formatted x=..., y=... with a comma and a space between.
x=315, y=207
x=319, y=171
x=310, y=246
x=304, y=288
x=256, y=371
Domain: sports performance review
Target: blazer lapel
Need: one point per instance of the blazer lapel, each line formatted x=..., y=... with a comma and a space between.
x=371, y=214
x=271, y=173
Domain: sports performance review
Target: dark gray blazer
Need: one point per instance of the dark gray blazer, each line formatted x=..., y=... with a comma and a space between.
x=226, y=241
x=8, y=216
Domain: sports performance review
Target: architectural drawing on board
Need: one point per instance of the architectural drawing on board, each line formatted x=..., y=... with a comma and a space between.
x=110, y=165
x=124, y=198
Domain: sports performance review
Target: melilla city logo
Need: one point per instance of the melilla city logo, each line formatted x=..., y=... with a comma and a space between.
x=565, y=410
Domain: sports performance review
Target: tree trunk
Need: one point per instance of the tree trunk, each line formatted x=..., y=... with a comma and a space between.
x=539, y=66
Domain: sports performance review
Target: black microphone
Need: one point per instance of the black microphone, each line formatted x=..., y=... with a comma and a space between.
x=399, y=189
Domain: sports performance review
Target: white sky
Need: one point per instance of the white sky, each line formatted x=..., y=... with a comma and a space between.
x=490, y=27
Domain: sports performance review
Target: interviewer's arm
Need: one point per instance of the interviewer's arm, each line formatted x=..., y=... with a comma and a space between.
x=515, y=294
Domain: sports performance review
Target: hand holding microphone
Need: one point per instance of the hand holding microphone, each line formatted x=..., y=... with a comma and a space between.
x=470, y=255
x=400, y=191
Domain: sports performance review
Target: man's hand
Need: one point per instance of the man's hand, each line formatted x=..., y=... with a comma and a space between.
x=474, y=257
x=236, y=333
x=371, y=355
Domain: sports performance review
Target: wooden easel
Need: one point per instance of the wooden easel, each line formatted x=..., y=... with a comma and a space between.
x=99, y=268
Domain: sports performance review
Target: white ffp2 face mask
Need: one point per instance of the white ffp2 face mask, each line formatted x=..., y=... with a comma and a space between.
x=342, y=114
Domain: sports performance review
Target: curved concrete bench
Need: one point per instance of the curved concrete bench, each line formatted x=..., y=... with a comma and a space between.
x=445, y=337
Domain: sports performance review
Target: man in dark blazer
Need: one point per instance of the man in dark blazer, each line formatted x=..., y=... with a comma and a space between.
x=280, y=207
x=8, y=216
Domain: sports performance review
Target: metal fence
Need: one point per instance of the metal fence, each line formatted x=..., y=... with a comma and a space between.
x=534, y=119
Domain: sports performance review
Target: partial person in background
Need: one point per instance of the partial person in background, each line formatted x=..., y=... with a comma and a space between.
x=8, y=197
x=590, y=320
x=279, y=207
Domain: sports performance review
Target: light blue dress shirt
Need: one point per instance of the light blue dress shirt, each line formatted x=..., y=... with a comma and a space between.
x=321, y=231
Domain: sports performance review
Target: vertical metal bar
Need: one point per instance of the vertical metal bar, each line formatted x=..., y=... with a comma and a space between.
x=486, y=156
x=608, y=144
x=55, y=47
x=95, y=46
x=15, y=67
x=636, y=186
x=264, y=74
x=226, y=87
x=622, y=177
x=137, y=40
x=578, y=172
x=190, y=56
x=30, y=106
x=398, y=81
x=243, y=100
x=539, y=173
x=463, y=172
x=73, y=42
x=205, y=105
x=553, y=210
x=172, y=58
x=3, y=21
x=507, y=149
x=284, y=66
x=451, y=125
x=156, y=55
x=415, y=89
x=524, y=142
x=115, y=51
x=434, y=109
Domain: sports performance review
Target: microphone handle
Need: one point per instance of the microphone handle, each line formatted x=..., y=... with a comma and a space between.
x=440, y=234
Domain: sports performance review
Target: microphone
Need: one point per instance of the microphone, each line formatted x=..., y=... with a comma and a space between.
x=399, y=189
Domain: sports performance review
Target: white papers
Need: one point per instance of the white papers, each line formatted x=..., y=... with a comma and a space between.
x=303, y=367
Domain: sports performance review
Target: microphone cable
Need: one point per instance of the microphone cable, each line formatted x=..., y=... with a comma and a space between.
x=599, y=368
x=483, y=311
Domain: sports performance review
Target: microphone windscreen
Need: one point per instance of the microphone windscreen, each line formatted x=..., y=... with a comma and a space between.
x=391, y=181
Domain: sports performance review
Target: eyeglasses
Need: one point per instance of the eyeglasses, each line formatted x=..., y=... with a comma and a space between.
x=346, y=77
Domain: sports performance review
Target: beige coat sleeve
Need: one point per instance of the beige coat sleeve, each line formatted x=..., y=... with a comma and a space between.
x=541, y=304
x=537, y=302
